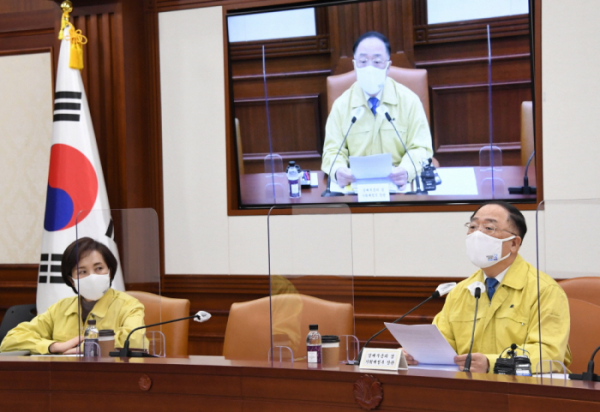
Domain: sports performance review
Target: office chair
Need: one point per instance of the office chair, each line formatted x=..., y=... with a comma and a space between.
x=159, y=309
x=15, y=315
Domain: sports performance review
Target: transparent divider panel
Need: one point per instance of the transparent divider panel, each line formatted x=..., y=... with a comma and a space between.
x=131, y=235
x=566, y=234
x=275, y=184
x=490, y=168
x=311, y=280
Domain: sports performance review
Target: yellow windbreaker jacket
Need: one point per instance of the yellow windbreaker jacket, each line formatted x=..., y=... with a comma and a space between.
x=511, y=317
x=115, y=310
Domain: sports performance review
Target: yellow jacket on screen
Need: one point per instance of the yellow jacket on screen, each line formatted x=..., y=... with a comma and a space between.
x=115, y=310
x=511, y=317
x=374, y=134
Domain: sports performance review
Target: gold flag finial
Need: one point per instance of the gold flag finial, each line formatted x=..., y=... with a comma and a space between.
x=66, y=6
x=77, y=39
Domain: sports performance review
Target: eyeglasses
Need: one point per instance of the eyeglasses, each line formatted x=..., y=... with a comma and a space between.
x=377, y=62
x=487, y=228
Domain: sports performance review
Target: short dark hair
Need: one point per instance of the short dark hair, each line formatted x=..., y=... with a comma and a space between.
x=81, y=248
x=515, y=217
x=376, y=35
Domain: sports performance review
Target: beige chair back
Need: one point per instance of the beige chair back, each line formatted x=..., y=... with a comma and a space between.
x=248, y=334
x=160, y=308
x=527, y=142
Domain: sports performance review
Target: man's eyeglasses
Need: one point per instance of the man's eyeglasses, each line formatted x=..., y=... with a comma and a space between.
x=377, y=62
x=487, y=228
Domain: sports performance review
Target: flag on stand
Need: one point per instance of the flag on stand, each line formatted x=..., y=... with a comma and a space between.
x=76, y=201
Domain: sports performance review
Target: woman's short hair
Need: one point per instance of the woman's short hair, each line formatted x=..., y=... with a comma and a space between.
x=78, y=250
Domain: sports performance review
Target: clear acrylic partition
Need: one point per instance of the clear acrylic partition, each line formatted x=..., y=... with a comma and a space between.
x=275, y=182
x=311, y=280
x=567, y=247
x=132, y=237
x=491, y=184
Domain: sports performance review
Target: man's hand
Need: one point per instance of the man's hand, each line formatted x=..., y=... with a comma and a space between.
x=67, y=347
x=399, y=176
x=344, y=176
x=409, y=359
x=479, y=362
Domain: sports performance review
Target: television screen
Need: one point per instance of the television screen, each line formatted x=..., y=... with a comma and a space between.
x=452, y=121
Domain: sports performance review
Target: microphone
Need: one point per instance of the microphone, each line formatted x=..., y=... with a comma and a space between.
x=201, y=316
x=441, y=290
x=356, y=114
x=525, y=189
x=384, y=111
x=589, y=375
x=475, y=288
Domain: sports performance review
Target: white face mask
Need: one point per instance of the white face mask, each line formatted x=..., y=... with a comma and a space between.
x=371, y=79
x=484, y=250
x=93, y=287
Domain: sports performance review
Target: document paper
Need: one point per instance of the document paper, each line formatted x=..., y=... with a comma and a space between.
x=424, y=342
x=371, y=167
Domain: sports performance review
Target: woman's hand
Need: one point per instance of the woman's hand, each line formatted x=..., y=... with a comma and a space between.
x=68, y=347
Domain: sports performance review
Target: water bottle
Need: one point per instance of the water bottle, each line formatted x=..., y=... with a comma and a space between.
x=294, y=182
x=313, y=345
x=90, y=340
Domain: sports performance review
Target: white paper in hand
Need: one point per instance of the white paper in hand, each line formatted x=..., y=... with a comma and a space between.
x=425, y=343
x=371, y=167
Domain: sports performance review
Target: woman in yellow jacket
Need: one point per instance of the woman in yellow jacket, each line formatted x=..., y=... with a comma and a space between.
x=57, y=330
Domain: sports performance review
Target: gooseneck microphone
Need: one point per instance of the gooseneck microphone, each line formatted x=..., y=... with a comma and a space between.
x=525, y=189
x=356, y=114
x=475, y=288
x=384, y=111
x=201, y=316
x=589, y=375
x=441, y=290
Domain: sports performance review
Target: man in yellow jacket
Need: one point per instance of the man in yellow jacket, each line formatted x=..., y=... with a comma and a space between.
x=372, y=133
x=507, y=310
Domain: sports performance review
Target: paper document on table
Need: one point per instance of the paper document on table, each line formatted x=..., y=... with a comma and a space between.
x=370, y=167
x=456, y=181
x=425, y=343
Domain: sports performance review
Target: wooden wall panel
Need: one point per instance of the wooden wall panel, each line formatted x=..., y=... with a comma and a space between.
x=461, y=125
x=391, y=17
x=295, y=130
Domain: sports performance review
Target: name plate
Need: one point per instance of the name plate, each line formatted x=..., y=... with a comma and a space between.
x=375, y=192
x=383, y=359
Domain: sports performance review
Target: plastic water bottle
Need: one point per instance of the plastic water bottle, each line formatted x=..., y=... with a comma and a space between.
x=313, y=345
x=294, y=182
x=90, y=340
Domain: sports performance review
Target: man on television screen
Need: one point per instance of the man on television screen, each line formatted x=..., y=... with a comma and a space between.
x=372, y=133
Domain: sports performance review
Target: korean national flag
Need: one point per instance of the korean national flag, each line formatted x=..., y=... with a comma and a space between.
x=75, y=184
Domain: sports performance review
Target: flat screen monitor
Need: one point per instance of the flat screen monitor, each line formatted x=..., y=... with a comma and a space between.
x=456, y=118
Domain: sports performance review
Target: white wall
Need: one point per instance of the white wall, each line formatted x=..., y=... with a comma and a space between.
x=201, y=239
x=445, y=11
x=26, y=137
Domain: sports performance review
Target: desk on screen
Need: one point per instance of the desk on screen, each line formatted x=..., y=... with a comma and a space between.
x=459, y=184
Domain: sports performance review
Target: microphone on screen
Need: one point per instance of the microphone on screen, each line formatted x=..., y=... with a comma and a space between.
x=384, y=111
x=356, y=114
x=441, y=290
x=476, y=288
x=525, y=189
x=125, y=352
